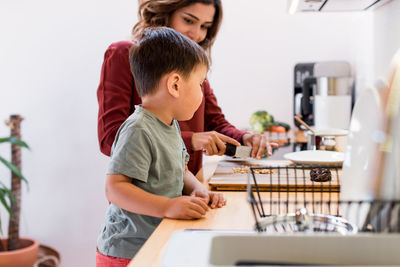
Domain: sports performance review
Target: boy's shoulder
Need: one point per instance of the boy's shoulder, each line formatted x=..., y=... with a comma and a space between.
x=148, y=124
x=137, y=121
x=140, y=121
x=136, y=130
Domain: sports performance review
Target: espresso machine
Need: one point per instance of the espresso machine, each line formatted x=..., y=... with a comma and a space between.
x=323, y=94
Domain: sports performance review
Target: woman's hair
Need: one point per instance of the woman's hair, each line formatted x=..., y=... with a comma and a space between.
x=157, y=13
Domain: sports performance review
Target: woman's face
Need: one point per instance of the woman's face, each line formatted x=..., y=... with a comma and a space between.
x=193, y=21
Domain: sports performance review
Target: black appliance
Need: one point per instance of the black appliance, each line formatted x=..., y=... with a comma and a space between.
x=303, y=101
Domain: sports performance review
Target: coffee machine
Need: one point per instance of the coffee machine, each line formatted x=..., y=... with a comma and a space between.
x=323, y=94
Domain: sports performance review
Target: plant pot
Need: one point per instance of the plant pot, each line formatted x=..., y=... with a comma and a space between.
x=47, y=257
x=26, y=256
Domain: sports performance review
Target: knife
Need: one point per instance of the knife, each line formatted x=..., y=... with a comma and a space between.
x=238, y=151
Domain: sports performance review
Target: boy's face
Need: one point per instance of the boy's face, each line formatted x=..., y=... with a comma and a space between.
x=192, y=94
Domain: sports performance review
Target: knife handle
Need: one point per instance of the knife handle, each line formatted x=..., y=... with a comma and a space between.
x=230, y=150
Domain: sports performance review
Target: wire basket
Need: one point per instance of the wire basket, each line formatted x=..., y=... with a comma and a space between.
x=304, y=205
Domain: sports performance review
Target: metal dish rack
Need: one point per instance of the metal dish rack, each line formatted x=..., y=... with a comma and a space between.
x=310, y=209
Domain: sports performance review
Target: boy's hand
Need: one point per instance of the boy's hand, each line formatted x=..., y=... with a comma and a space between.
x=213, y=199
x=217, y=200
x=185, y=207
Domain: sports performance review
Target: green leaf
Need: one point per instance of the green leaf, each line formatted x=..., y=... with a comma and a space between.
x=15, y=141
x=13, y=168
x=3, y=194
x=5, y=139
x=8, y=191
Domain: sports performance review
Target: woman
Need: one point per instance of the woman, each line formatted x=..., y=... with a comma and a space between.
x=208, y=130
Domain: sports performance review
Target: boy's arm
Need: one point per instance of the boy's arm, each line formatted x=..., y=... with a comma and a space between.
x=121, y=192
x=193, y=187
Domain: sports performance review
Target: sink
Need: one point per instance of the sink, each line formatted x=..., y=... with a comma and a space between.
x=222, y=248
x=309, y=249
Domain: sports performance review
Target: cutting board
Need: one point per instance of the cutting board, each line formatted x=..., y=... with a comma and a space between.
x=280, y=180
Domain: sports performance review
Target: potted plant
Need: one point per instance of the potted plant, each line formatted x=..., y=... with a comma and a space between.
x=15, y=251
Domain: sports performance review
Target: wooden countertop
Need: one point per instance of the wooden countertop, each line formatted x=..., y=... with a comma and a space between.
x=236, y=215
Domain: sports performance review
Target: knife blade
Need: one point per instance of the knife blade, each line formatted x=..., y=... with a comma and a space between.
x=238, y=151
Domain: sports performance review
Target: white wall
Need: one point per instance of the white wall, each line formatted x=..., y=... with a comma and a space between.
x=50, y=59
x=258, y=46
x=386, y=36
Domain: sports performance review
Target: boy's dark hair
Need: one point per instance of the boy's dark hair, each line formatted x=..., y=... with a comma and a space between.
x=160, y=51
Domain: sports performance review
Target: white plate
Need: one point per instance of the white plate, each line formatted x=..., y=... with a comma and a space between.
x=261, y=162
x=315, y=157
x=229, y=158
x=331, y=132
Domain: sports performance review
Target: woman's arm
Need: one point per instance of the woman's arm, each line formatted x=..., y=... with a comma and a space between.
x=215, y=121
x=114, y=93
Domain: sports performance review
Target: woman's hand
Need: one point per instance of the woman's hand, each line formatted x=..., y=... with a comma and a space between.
x=212, y=142
x=259, y=143
x=213, y=199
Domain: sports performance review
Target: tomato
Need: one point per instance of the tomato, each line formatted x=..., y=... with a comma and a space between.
x=277, y=129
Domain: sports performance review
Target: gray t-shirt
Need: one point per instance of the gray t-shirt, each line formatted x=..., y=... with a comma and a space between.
x=154, y=156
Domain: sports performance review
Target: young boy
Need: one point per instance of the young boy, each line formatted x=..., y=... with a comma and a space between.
x=147, y=174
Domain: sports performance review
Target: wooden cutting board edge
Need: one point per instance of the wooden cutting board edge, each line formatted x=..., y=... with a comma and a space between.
x=268, y=188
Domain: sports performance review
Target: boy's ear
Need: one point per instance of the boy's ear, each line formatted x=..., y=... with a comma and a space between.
x=174, y=83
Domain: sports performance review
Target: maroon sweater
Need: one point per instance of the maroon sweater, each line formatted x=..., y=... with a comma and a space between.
x=117, y=96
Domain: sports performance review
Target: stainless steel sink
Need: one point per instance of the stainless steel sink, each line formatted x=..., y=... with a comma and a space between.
x=217, y=248
x=300, y=249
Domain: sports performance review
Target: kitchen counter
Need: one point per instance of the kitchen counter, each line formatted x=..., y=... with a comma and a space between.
x=236, y=215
